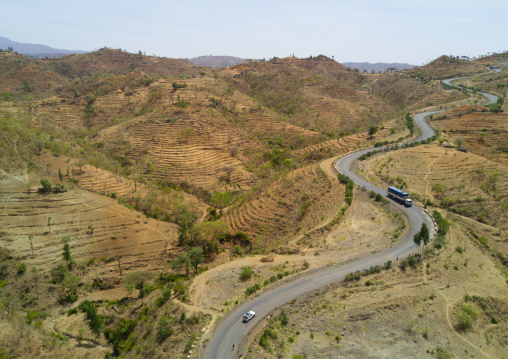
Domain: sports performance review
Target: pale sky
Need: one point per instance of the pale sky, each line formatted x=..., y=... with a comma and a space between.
x=412, y=31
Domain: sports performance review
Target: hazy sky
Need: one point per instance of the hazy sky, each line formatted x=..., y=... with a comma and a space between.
x=413, y=31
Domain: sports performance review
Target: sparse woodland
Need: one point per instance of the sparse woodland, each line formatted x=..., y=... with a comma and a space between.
x=143, y=197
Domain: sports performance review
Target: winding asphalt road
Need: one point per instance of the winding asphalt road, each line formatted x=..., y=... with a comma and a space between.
x=231, y=330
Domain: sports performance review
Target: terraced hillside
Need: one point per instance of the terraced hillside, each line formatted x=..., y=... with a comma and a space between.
x=316, y=93
x=483, y=132
x=117, y=231
x=297, y=202
x=418, y=310
x=446, y=67
x=464, y=183
x=492, y=82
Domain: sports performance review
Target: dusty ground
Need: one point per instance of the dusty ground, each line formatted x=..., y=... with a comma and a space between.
x=117, y=231
x=465, y=182
x=484, y=133
x=411, y=314
x=368, y=227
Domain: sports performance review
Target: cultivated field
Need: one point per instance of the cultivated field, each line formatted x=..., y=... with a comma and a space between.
x=462, y=182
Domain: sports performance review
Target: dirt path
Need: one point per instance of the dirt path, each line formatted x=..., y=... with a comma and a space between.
x=429, y=171
x=448, y=320
x=15, y=177
x=447, y=309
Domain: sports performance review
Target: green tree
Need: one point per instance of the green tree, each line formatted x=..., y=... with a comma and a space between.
x=372, y=130
x=129, y=288
x=425, y=235
x=220, y=199
x=459, y=141
x=208, y=234
x=183, y=261
x=164, y=330
x=46, y=185
x=70, y=285
x=94, y=319
x=142, y=290
x=417, y=239
x=228, y=169
x=67, y=252
x=28, y=186
x=185, y=216
x=196, y=257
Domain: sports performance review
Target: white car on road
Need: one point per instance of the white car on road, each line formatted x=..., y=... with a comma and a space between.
x=248, y=316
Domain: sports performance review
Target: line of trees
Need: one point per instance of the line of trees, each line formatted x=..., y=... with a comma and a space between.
x=423, y=236
x=410, y=124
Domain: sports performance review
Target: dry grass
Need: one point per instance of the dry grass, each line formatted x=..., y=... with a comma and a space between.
x=399, y=314
x=484, y=132
x=466, y=183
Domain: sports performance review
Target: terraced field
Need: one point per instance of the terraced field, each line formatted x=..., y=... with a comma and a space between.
x=465, y=183
x=486, y=133
x=117, y=231
x=297, y=202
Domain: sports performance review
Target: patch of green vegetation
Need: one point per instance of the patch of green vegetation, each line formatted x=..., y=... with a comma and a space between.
x=246, y=273
x=33, y=315
x=121, y=337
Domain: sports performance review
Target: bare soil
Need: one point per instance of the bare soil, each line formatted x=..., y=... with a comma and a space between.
x=411, y=314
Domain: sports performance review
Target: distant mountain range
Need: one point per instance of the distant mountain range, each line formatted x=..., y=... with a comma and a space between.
x=380, y=66
x=42, y=51
x=35, y=50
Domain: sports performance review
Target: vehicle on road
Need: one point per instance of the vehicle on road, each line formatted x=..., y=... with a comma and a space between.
x=248, y=316
x=400, y=196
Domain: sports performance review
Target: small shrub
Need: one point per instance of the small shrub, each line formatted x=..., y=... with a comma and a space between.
x=33, y=315
x=21, y=268
x=164, y=330
x=46, y=185
x=253, y=289
x=403, y=265
x=238, y=250
x=246, y=273
x=442, y=353
x=387, y=265
x=182, y=103
x=459, y=249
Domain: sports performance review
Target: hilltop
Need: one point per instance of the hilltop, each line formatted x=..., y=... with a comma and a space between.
x=216, y=61
x=378, y=66
x=447, y=67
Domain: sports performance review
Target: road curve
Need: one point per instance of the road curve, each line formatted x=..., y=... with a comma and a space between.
x=491, y=98
x=231, y=330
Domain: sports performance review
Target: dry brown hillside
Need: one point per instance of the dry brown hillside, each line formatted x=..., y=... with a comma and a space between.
x=492, y=82
x=446, y=67
x=464, y=183
x=318, y=93
x=482, y=131
x=23, y=77
x=451, y=304
x=494, y=60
